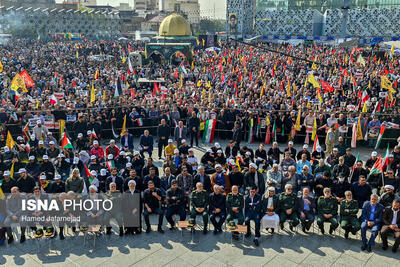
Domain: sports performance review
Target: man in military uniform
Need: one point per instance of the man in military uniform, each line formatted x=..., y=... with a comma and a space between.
x=288, y=207
x=327, y=211
x=116, y=212
x=234, y=207
x=348, y=215
x=199, y=203
x=175, y=203
x=253, y=211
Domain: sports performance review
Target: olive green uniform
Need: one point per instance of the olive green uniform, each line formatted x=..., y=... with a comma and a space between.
x=327, y=205
x=200, y=200
x=235, y=202
x=348, y=216
x=288, y=202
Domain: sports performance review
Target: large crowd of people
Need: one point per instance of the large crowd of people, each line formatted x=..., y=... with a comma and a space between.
x=67, y=124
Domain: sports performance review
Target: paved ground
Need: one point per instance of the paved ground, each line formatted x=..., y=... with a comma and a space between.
x=170, y=249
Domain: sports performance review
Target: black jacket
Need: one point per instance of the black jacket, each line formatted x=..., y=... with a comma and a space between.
x=217, y=202
x=163, y=131
x=194, y=122
x=206, y=184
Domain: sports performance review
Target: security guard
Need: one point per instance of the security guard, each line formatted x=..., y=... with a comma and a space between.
x=288, y=207
x=348, y=215
x=327, y=211
x=199, y=203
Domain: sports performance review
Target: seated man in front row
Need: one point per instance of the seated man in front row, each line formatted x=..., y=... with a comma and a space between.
x=217, y=208
x=327, y=207
x=175, y=203
x=371, y=218
x=199, y=203
x=234, y=207
x=391, y=224
x=348, y=214
x=252, y=211
x=288, y=207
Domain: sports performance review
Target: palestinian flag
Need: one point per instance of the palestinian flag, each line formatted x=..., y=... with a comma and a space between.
x=377, y=168
x=381, y=131
x=110, y=164
x=66, y=144
x=251, y=134
x=2, y=196
x=355, y=162
x=88, y=174
x=258, y=127
x=209, y=130
x=94, y=134
x=386, y=158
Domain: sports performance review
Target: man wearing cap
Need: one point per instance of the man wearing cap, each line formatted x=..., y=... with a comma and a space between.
x=253, y=178
x=371, y=161
x=40, y=151
x=175, y=203
x=288, y=207
x=184, y=148
x=7, y=182
x=292, y=151
x=391, y=224
x=333, y=158
x=199, y=205
x=327, y=207
x=126, y=141
x=234, y=206
x=97, y=151
x=81, y=143
x=217, y=208
x=44, y=184
x=252, y=210
x=25, y=183
x=220, y=178
x=51, y=142
x=151, y=199
x=112, y=149
x=169, y=150
x=180, y=133
x=146, y=143
x=32, y=168
x=58, y=186
x=388, y=196
x=348, y=215
x=39, y=130
x=47, y=167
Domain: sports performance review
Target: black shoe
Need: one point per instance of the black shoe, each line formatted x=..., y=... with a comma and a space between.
x=291, y=227
x=394, y=249
x=22, y=240
x=363, y=247
x=62, y=236
x=369, y=248
x=74, y=229
x=353, y=232
x=384, y=247
x=219, y=229
x=272, y=230
x=346, y=234
x=303, y=228
x=331, y=231
x=148, y=230
x=235, y=236
x=322, y=231
x=205, y=231
x=108, y=231
x=215, y=231
x=160, y=230
x=10, y=240
x=281, y=225
x=121, y=232
x=256, y=242
x=172, y=227
x=248, y=234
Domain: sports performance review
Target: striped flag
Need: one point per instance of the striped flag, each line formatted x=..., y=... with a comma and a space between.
x=66, y=144
x=377, y=168
x=316, y=143
x=209, y=130
x=268, y=135
x=274, y=131
x=381, y=131
x=140, y=122
x=88, y=174
x=251, y=134
x=385, y=161
x=110, y=164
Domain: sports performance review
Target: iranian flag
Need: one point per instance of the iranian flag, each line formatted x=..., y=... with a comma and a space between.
x=364, y=96
x=94, y=134
x=385, y=161
x=377, y=168
x=381, y=131
x=316, y=143
x=139, y=122
x=66, y=144
x=110, y=164
x=182, y=68
x=251, y=134
x=209, y=130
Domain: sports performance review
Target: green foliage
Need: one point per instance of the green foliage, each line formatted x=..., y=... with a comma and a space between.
x=211, y=26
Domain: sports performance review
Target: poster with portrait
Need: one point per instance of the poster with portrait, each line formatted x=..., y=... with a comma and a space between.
x=233, y=23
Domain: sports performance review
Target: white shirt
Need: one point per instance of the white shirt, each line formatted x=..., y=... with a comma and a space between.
x=394, y=216
x=270, y=201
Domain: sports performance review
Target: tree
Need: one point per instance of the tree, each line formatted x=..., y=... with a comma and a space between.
x=211, y=26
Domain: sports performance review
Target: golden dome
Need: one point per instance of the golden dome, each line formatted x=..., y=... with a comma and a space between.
x=174, y=25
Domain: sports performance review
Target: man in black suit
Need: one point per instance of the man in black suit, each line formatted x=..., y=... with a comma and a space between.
x=307, y=209
x=252, y=209
x=231, y=150
x=391, y=224
x=180, y=133
x=237, y=134
x=194, y=125
x=203, y=178
x=163, y=133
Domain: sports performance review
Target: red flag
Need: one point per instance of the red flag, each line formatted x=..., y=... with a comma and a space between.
x=268, y=135
x=27, y=79
x=73, y=84
x=240, y=77
x=273, y=72
x=326, y=86
x=133, y=93
x=386, y=72
x=61, y=80
x=222, y=78
x=236, y=89
x=250, y=77
x=345, y=72
x=395, y=84
x=123, y=79
x=281, y=85
x=176, y=74
x=334, y=51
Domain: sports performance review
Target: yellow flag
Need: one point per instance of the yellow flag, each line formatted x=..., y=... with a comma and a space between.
x=385, y=83
x=311, y=79
x=12, y=170
x=364, y=109
x=10, y=141
x=294, y=87
x=181, y=81
x=314, y=66
x=268, y=122
x=92, y=94
x=61, y=123
x=104, y=95
x=197, y=41
x=123, y=126
x=314, y=131
x=1, y=66
x=262, y=91
x=392, y=50
x=77, y=54
x=2, y=196
x=288, y=90
x=361, y=60
x=359, y=131
x=369, y=84
x=204, y=42
x=297, y=125
x=203, y=93
x=123, y=60
x=192, y=65
x=17, y=82
x=37, y=104
x=209, y=84
x=202, y=126
x=237, y=163
x=198, y=83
